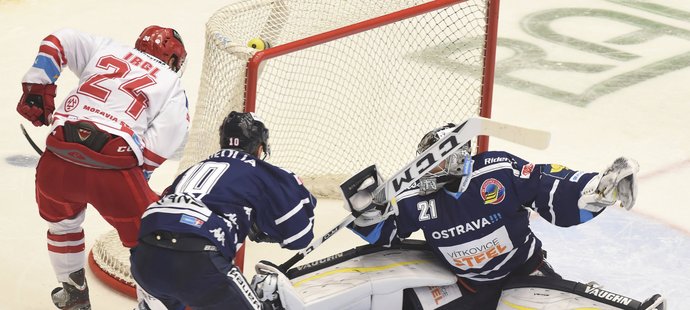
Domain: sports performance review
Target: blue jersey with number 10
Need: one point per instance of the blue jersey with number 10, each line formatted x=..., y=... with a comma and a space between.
x=220, y=197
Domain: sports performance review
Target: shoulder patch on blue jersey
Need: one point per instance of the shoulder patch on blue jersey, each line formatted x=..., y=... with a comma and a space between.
x=526, y=170
x=190, y=220
x=492, y=191
x=576, y=177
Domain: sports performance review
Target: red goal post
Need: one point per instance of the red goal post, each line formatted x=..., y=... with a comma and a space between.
x=344, y=84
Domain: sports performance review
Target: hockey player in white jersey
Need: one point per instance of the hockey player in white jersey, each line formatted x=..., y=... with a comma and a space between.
x=126, y=116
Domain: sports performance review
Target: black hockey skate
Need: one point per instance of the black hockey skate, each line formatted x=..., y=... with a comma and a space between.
x=655, y=302
x=74, y=294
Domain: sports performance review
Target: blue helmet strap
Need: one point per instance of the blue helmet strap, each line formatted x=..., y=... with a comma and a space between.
x=466, y=173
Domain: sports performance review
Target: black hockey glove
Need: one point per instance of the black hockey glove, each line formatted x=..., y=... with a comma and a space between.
x=37, y=103
x=255, y=234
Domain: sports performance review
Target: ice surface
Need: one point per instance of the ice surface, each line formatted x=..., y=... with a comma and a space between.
x=628, y=96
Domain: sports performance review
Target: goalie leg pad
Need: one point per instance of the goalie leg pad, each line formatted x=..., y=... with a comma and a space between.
x=431, y=297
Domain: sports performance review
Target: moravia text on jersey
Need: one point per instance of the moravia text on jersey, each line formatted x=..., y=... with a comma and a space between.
x=121, y=90
x=221, y=197
x=483, y=233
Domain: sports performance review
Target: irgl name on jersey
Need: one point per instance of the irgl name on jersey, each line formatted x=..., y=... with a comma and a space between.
x=137, y=61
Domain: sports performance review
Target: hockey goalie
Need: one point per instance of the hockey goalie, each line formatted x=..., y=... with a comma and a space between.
x=480, y=251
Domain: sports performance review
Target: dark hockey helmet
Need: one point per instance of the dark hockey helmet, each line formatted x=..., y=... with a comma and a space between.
x=457, y=165
x=245, y=132
x=164, y=44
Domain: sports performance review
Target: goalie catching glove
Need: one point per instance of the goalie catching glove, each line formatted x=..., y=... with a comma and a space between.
x=359, y=195
x=616, y=186
x=37, y=103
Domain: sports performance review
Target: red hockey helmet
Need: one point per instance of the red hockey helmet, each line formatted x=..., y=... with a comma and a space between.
x=164, y=44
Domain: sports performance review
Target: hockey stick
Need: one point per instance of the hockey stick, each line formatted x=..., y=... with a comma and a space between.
x=31, y=141
x=426, y=161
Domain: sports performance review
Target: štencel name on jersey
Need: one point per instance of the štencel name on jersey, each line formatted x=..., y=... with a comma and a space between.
x=483, y=234
x=221, y=197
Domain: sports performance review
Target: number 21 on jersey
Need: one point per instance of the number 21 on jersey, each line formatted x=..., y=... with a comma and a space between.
x=427, y=210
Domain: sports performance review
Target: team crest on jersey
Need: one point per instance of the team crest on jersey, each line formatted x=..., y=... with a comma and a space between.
x=71, y=103
x=83, y=134
x=493, y=192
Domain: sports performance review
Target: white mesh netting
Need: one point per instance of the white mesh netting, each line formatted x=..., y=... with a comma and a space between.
x=112, y=257
x=338, y=107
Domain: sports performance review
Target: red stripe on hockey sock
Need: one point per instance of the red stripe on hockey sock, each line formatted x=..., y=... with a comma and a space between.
x=53, y=39
x=66, y=237
x=67, y=249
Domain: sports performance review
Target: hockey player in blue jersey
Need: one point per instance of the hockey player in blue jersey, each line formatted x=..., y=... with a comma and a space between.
x=188, y=239
x=474, y=214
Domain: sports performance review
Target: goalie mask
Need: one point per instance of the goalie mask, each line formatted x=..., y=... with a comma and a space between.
x=457, y=166
x=245, y=132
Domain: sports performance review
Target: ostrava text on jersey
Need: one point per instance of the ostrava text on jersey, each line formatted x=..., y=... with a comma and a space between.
x=220, y=197
x=483, y=233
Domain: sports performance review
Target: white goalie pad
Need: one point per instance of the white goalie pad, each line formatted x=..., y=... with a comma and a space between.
x=371, y=281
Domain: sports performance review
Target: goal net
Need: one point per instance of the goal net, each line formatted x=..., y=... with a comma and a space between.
x=344, y=84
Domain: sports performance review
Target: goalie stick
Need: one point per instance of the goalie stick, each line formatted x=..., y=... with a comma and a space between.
x=426, y=161
x=31, y=141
